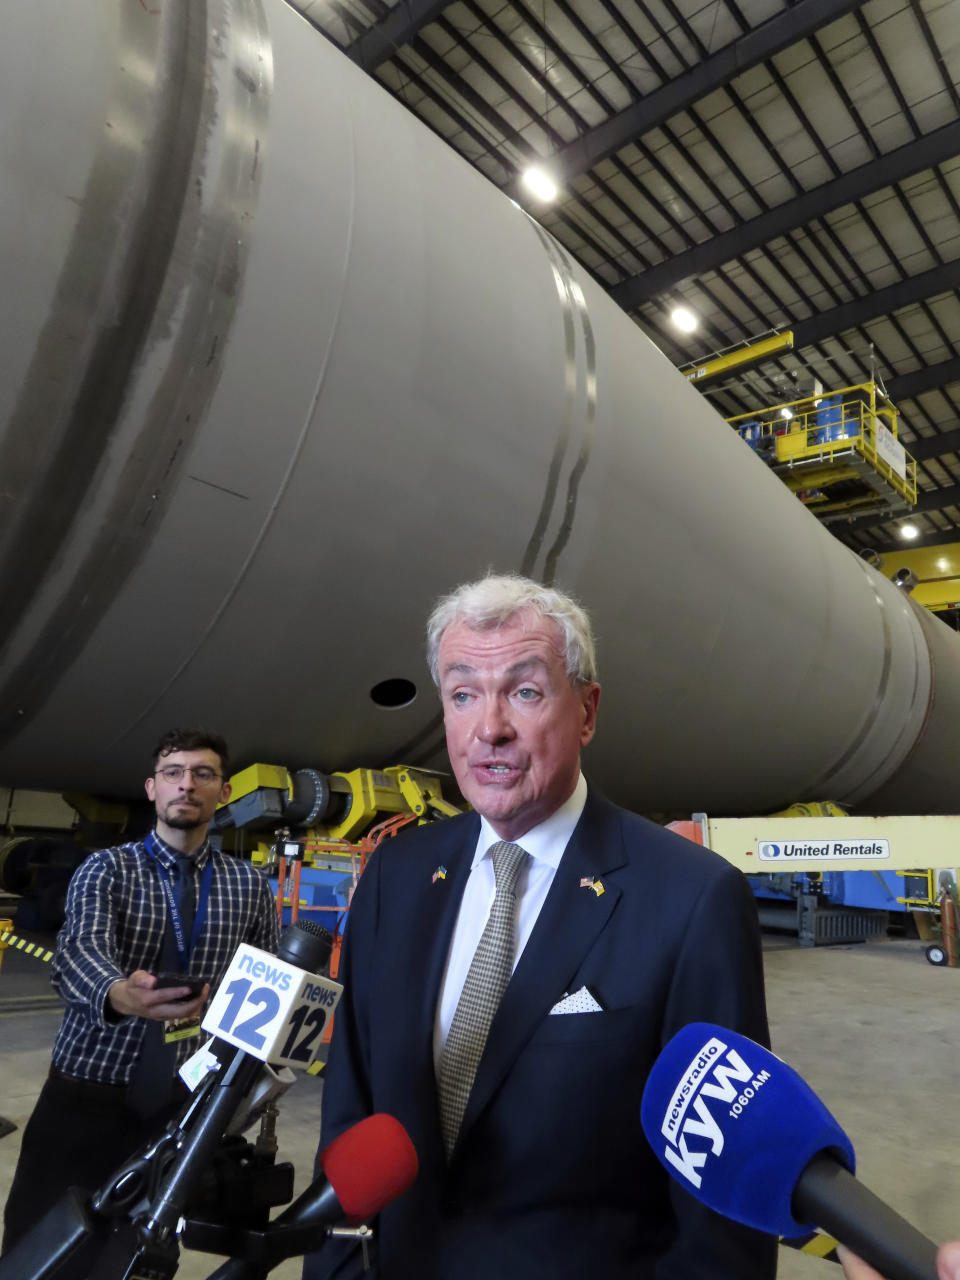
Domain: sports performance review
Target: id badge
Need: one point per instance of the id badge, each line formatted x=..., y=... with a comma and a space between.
x=183, y=1029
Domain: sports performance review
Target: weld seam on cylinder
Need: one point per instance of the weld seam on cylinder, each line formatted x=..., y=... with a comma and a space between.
x=891, y=758
x=527, y=565
x=204, y=301
x=586, y=445
x=133, y=279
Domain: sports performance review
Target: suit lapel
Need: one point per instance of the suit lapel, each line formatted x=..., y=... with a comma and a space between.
x=432, y=922
x=434, y=916
x=572, y=918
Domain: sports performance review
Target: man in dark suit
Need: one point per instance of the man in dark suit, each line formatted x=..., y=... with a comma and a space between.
x=521, y=1092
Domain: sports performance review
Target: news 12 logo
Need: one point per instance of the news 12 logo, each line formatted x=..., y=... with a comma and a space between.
x=271, y=1009
x=718, y=1074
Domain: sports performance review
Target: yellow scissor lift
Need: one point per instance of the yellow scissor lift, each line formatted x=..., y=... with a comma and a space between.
x=838, y=451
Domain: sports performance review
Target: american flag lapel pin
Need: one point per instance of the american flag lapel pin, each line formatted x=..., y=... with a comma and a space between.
x=588, y=882
x=439, y=874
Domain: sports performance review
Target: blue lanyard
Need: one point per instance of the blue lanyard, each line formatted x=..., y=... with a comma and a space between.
x=200, y=917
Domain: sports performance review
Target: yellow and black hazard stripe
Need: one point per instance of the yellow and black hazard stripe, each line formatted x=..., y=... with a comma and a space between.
x=818, y=1244
x=35, y=949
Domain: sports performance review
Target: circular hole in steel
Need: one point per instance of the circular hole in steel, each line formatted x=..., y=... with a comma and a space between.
x=393, y=693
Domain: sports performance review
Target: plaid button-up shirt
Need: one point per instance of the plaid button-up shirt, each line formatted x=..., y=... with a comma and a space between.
x=115, y=921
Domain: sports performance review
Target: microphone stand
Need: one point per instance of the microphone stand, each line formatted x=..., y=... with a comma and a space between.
x=253, y=1254
x=130, y=1226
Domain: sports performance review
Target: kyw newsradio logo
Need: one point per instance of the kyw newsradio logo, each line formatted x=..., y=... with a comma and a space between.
x=826, y=850
x=716, y=1084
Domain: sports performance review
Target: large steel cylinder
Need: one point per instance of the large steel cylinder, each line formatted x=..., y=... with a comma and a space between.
x=279, y=367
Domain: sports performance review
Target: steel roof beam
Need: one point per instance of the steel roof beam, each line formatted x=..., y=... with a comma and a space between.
x=908, y=385
x=927, y=447
x=756, y=46
x=938, y=538
x=912, y=289
x=398, y=28
x=928, y=151
x=870, y=306
x=929, y=500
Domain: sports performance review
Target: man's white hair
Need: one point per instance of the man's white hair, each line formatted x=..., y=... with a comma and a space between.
x=494, y=600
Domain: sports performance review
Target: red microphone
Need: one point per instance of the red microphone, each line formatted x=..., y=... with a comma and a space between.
x=363, y=1170
x=368, y=1167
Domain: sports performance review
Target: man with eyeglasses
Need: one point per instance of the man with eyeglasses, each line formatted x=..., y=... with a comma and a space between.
x=166, y=904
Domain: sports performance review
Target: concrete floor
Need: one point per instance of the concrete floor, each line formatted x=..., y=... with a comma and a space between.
x=873, y=1029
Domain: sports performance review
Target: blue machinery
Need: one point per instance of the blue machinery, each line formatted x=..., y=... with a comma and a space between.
x=836, y=906
x=833, y=877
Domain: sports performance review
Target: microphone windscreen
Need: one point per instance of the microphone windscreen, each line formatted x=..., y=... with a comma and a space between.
x=736, y=1126
x=306, y=945
x=369, y=1165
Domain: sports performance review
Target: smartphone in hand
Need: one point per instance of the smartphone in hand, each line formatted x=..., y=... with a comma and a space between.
x=196, y=985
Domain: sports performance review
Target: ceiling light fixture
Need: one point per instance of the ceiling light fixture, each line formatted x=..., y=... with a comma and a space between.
x=909, y=531
x=682, y=318
x=539, y=183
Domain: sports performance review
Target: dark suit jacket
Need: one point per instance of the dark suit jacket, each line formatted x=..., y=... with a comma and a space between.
x=552, y=1176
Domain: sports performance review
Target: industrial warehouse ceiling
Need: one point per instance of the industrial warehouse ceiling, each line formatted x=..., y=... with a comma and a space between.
x=766, y=164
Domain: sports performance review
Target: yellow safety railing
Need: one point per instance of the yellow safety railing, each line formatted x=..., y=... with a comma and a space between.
x=827, y=429
x=928, y=902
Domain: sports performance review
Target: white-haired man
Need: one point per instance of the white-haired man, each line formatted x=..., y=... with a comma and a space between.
x=510, y=976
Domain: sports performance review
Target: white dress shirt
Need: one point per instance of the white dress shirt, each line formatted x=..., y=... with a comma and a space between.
x=545, y=844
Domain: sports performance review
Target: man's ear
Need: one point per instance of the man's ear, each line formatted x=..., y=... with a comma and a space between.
x=150, y=787
x=591, y=700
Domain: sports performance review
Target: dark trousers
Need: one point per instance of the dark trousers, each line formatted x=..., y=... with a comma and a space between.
x=78, y=1135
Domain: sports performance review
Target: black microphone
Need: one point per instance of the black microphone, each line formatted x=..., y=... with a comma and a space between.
x=742, y=1132
x=307, y=945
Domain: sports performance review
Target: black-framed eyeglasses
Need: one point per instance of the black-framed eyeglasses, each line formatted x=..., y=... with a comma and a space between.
x=202, y=774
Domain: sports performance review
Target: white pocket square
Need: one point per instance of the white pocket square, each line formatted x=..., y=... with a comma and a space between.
x=579, y=1002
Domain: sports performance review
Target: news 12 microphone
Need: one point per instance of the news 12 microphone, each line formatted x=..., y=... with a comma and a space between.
x=276, y=1007
x=275, y=1012
x=366, y=1168
x=742, y=1132
x=272, y=1010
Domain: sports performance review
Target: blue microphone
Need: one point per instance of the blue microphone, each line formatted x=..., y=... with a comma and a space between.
x=751, y=1140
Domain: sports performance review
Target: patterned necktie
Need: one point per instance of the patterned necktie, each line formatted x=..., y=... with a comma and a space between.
x=483, y=990
x=151, y=1085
